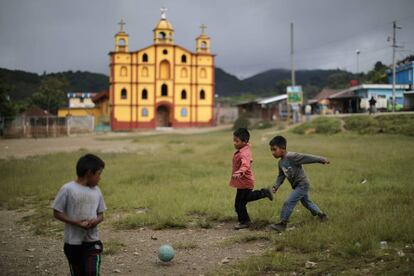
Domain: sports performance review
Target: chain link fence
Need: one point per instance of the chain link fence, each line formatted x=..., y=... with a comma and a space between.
x=45, y=126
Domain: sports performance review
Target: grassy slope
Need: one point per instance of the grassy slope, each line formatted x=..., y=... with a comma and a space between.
x=182, y=179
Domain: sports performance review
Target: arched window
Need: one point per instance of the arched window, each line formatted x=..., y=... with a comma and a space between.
x=184, y=73
x=164, y=90
x=144, y=95
x=144, y=58
x=144, y=112
x=121, y=42
x=203, y=45
x=164, y=70
x=124, y=71
x=184, y=59
x=124, y=94
x=202, y=95
x=203, y=73
x=162, y=35
x=183, y=112
x=144, y=72
x=183, y=95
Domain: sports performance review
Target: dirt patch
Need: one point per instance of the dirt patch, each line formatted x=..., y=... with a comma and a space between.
x=103, y=142
x=198, y=251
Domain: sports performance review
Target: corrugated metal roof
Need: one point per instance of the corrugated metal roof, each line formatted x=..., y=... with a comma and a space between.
x=277, y=98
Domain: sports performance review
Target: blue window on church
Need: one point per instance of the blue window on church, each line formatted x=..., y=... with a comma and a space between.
x=183, y=112
x=144, y=112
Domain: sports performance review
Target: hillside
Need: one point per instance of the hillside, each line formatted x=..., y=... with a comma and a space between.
x=267, y=80
x=23, y=84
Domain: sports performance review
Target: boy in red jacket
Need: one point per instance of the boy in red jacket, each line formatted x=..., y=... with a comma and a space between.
x=242, y=178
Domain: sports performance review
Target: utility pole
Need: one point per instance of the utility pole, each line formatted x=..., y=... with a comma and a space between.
x=292, y=61
x=394, y=46
x=357, y=65
x=292, y=67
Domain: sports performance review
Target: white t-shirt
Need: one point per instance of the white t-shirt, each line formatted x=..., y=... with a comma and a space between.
x=79, y=202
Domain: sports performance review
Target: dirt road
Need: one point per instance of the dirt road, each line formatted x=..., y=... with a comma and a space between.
x=103, y=142
x=199, y=250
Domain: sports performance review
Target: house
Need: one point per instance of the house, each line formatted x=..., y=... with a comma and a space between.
x=84, y=104
x=355, y=99
x=321, y=103
x=266, y=109
x=34, y=122
x=81, y=99
x=404, y=74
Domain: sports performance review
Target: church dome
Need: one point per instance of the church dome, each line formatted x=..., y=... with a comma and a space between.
x=164, y=25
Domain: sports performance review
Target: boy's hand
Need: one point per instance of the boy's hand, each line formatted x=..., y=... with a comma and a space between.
x=326, y=161
x=274, y=189
x=84, y=224
x=92, y=223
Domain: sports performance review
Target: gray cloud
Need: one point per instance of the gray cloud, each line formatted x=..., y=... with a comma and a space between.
x=247, y=36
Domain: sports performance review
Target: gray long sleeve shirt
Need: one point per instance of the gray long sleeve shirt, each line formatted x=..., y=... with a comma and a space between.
x=290, y=167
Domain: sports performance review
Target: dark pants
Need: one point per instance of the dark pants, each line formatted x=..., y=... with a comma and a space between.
x=84, y=259
x=244, y=196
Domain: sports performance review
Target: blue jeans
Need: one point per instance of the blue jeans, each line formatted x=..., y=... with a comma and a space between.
x=299, y=193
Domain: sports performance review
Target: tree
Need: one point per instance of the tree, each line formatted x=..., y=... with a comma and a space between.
x=281, y=85
x=7, y=108
x=339, y=80
x=50, y=95
x=378, y=75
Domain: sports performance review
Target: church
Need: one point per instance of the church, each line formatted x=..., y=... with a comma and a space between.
x=162, y=85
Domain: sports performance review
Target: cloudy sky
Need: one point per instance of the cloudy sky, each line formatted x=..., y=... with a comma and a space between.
x=248, y=36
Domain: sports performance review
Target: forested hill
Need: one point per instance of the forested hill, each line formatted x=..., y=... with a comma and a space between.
x=22, y=85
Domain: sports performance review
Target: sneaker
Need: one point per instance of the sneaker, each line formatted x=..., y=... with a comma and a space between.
x=267, y=193
x=242, y=226
x=280, y=227
x=323, y=217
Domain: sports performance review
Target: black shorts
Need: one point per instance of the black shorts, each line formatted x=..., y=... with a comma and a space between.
x=84, y=259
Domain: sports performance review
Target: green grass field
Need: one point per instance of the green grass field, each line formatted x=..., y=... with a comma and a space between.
x=183, y=179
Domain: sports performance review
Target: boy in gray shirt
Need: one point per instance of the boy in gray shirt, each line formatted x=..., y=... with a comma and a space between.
x=80, y=205
x=290, y=167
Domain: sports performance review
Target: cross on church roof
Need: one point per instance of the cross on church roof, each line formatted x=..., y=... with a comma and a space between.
x=203, y=27
x=121, y=24
x=163, y=13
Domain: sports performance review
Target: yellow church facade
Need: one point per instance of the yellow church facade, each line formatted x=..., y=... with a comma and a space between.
x=163, y=85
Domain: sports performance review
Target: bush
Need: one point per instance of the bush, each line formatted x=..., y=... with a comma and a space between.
x=263, y=125
x=241, y=122
x=302, y=128
x=397, y=124
x=391, y=124
x=321, y=125
x=327, y=125
x=362, y=124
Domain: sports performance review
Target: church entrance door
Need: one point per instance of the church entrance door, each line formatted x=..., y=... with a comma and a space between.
x=163, y=116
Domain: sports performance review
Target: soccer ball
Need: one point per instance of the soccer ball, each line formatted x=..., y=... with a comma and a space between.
x=166, y=253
